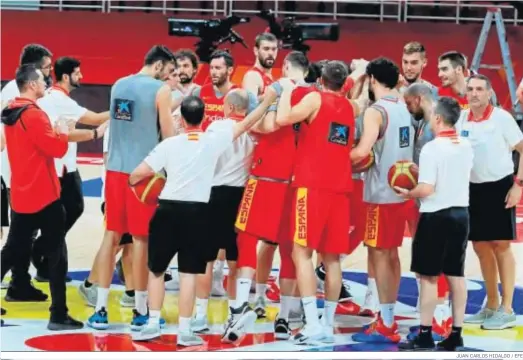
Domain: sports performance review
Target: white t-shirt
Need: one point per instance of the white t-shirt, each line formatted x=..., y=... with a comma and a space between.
x=446, y=164
x=234, y=164
x=57, y=103
x=9, y=92
x=492, y=139
x=189, y=160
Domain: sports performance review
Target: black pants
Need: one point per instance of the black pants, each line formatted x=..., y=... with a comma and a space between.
x=72, y=200
x=50, y=221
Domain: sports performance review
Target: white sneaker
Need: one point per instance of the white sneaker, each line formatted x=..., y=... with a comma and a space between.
x=188, y=338
x=240, y=321
x=217, y=284
x=199, y=323
x=149, y=332
x=310, y=334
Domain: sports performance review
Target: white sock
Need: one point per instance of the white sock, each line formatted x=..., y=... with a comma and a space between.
x=285, y=307
x=311, y=310
x=154, y=317
x=329, y=312
x=218, y=266
x=102, y=298
x=184, y=324
x=371, y=284
x=232, y=303
x=260, y=290
x=387, y=314
x=243, y=288
x=295, y=303
x=201, y=306
x=140, y=300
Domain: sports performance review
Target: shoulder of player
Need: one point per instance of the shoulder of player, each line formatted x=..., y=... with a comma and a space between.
x=252, y=74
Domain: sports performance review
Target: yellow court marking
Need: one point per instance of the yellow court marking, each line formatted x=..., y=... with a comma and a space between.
x=514, y=334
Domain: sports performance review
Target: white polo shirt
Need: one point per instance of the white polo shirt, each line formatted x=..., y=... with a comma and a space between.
x=9, y=92
x=493, y=138
x=57, y=103
x=446, y=163
x=189, y=159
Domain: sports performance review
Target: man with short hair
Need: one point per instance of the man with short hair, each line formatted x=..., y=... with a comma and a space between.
x=35, y=189
x=439, y=246
x=452, y=72
x=183, y=219
x=259, y=76
x=494, y=194
x=413, y=62
x=140, y=109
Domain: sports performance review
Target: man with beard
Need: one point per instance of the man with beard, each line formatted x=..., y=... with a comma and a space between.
x=259, y=76
x=187, y=65
x=387, y=128
x=230, y=177
x=414, y=61
x=140, y=109
x=58, y=105
x=20, y=288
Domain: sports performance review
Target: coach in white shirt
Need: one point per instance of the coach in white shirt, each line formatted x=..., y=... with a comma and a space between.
x=494, y=194
x=181, y=222
x=59, y=106
x=440, y=243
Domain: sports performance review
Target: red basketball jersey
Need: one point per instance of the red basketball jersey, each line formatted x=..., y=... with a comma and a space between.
x=461, y=99
x=274, y=154
x=213, y=104
x=324, y=146
x=267, y=80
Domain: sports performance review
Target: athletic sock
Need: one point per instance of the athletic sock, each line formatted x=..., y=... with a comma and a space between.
x=140, y=300
x=184, y=324
x=295, y=303
x=329, y=312
x=154, y=317
x=201, y=306
x=387, y=314
x=285, y=307
x=260, y=290
x=243, y=288
x=101, y=299
x=311, y=310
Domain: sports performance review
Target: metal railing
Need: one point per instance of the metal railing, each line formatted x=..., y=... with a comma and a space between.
x=456, y=11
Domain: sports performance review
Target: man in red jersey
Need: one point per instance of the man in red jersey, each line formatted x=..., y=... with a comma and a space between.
x=265, y=204
x=452, y=69
x=259, y=76
x=322, y=182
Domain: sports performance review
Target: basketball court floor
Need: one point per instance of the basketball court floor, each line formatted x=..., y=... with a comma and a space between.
x=25, y=323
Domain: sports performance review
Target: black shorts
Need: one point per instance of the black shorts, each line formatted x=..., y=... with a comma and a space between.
x=179, y=227
x=440, y=243
x=126, y=238
x=5, y=205
x=223, y=210
x=489, y=220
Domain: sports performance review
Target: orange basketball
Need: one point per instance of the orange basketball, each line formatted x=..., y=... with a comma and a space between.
x=148, y=189
x=364, y=164
x=403, y=174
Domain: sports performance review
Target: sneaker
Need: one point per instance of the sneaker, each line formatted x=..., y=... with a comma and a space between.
x=273, y=292
x=309, y=335
x=450, y=344
x=147, y=333
x=320, y=277
x=418, y=343
x=65, y=324
x=99, y=320
x=500, y=320
x=127, y=301
x=188, y=338
x=345, y=294
x=199, y=323
x=217, y=284
x=440, y=331
x=377, y=332
x=172, y=282
x=89, y=294
x=240, y=320
x=282, y=331
x=25, y=293
x=139, y=321
x=259, y=307
x=479, y=318
x=370, y=306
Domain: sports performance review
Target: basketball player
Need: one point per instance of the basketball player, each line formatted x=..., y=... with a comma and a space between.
x=494, y=194
x=322, y=182
x=440, y=243
x=256, y=80
x=231, y=175
x=183, y=218
x=20, y=288
x=388, y=129
x=137, y=101
x=57, y=104
x=414, y=61
x=452, y=72
x=265, y=208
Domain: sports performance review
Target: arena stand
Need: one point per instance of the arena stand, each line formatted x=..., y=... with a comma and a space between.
x=99, y=34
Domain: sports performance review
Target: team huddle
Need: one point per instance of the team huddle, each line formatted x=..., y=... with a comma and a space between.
x=320, y=161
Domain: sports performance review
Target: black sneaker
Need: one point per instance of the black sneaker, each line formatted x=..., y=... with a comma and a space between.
x=167, y=276
x=345, y=294
x=67, y=324
x=418, y=344
x=320, y=272
x=282, y=330
x=25, y=293
x=450, y=344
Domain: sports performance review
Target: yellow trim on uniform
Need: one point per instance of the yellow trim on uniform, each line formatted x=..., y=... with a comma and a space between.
x=372, y=225
x=245, y=206
x=301, y=220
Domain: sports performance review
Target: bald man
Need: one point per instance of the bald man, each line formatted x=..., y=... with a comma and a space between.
x=230, y=177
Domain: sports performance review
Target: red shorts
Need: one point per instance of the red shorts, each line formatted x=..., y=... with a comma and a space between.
x=412, y=211
x=265, y=210
x=123, y=211
x=385, y=225
x=358, y=215
x=321, y=220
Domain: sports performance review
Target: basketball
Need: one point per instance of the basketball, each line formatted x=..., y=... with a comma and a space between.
x=148, y=190
x=364, y=164
x=403, y=174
